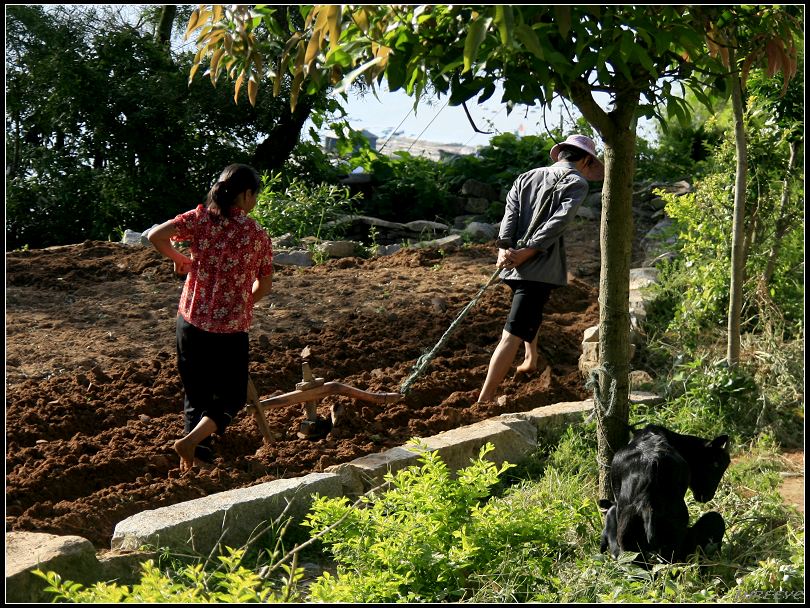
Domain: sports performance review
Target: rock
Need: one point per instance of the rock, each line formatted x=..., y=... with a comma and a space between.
x=339, y=249
x=640, y=379
x=474, y=188
x=588, y=213
x=680, y=188
x=479, y=231
x=448, y=242
x=593, y=200
x=667, y=256
x=643, y=277
x=72, y=557
x=387, y=249
x=293, y=258
x=658, y=230
x=590, y=351
x=145, y=235
x=132, y=238
x=591, y=334
x=285, y=241
x=423, y=226
x=657, y=203
x=476, y=205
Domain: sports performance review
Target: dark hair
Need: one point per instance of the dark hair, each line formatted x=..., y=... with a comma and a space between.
x=571, y=153
x=235, y=180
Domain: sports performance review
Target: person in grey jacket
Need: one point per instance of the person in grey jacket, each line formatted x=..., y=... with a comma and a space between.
x=539, y=207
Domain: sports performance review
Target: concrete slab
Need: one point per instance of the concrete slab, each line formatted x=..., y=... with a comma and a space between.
x=230, y=518
x=73, y=557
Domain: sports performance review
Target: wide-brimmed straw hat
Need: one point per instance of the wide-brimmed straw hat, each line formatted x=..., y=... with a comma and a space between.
x=596, y=170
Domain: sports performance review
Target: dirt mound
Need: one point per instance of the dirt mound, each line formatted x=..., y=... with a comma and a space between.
x=94, y=401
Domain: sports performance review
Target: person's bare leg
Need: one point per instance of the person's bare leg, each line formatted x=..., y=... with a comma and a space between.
x=499, y=365
x=530, y=360
x=185, y=446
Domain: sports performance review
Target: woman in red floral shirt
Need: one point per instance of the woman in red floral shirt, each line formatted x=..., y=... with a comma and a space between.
x=230, y=269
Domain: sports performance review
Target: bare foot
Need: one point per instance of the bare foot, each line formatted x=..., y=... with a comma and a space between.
x=526, y=367
x=185, y=450
x=485, y=399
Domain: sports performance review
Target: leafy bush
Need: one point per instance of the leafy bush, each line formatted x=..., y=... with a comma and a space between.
x=299, y=208
x=230, y=583
x=406, y=187
x=412, y=542
x=309, y=164
x=502, y=160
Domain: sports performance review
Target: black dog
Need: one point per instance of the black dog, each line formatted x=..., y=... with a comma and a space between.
x=649, y=477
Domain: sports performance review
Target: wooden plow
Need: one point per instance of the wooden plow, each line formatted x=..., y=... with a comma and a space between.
x=309, y=391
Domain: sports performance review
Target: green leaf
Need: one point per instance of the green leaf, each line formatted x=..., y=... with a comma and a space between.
x=505, y=20
x=563, y=18
x=488, y=91
x=475, y=36
x=529, y=38
x=352, y=76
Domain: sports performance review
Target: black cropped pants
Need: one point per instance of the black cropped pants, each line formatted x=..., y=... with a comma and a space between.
x=214, y=371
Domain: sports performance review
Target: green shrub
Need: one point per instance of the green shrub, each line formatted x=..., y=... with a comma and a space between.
x=191, y=583
x=408, y=188
x=410, y=543
x=301, y=209
x=501, y=161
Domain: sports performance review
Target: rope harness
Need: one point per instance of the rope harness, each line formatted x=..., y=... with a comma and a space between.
x=424, y=360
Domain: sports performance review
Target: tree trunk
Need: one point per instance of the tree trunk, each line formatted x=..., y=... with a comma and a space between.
x=612, y=390
x=271, y=153
x=738, y=227
x=616, y=238
x=163, y=31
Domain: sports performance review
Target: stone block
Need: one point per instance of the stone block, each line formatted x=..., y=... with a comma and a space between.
x=474, y=188
x=591, y=334
x=339, y=249
x=123, y=567
x=642, y=277
x=72, y=557
x=293, y=258
x=479, y=231
x=551, y=420
x=457, y=447
x=476, y=205
x=366, y=472
x=229, y=517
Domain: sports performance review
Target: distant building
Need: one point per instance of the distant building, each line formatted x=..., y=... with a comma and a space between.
x=428, y=149
x=416, y=147
x=331, y=140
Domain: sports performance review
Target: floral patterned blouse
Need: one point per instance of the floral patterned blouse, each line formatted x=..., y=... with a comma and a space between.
x=227, y=255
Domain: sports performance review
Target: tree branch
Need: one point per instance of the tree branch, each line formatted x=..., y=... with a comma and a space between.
x=476, y=129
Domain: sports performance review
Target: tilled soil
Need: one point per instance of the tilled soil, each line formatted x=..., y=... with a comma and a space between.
x=94, y=400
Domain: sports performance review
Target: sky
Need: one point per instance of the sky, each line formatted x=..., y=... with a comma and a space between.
x=436, y=121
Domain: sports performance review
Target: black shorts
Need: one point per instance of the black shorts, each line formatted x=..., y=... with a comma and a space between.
x=214, y=370
x=528, y=301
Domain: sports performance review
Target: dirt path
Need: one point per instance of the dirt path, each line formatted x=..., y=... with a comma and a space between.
x=93, y=399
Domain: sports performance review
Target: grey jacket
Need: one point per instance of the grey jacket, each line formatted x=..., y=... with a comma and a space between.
x=549, y=265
